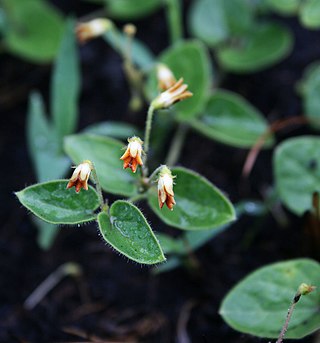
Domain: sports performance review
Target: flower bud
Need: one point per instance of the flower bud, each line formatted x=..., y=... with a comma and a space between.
x=92, y=29
x=177, y=92
x=80, y=176
x=132, y=156
x=165, y=77
x=130, y=30
x=165, y=188
x=305, y=289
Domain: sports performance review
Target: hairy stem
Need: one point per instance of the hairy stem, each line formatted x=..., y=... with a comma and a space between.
x=96, y=181
x=147, y=133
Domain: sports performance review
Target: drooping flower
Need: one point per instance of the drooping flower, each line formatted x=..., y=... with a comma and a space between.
x=177, y=92
x=92, y=29
x=165, y=77
x=165, y=188
x=132, y=156
x=80, y=176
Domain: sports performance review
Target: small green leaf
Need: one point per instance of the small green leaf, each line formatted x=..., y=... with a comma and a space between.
x=105, y=153
x=65, y=85
x=263, y=46
x=131, y=9
x=230, y=119
x=127, y=231
x=297, y=172
x=199, y=204
x=284, y=7
x=34, y=29
x=310, y=14
x=113, y=129
x=171, y=245
x=52, y=202
x=207, y=21
x=43, y=145
x=182, y=58
x=258, y=304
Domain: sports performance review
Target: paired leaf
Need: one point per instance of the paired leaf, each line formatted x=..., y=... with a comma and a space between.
x=105, y=153
x=127, y=231
x=258, y=305
x=190, y=60
x=261, y=47
x=113, y=129
x=297, y=172
x=230, y=119
x=52, y=202
x=310, y=14
x=131, y=9
x=65, y=85
x=42, y=143
x=34, y=29
x=199, y=204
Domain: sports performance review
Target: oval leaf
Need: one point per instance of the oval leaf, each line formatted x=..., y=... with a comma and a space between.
x=128, y=232
x=297, y=172
x=230, y=119
x=105, y=153
x=113, y=129
x=261, y=47
x=310, y=14
x=258, y=305
x=34, y=29
x=182, y=59
x=52, y=202
x=199, y=204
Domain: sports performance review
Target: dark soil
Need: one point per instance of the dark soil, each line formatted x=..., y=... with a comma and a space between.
x=117, y=300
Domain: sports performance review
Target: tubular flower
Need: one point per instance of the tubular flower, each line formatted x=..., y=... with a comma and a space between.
x=80, y=176
x=92, y=29
x=132, y=156
x=165, y=77
x=177, y=92
x=165, y=188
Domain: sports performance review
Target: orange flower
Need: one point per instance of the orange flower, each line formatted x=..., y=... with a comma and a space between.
x=132, y=156
x=80, y=176
x=92, y=29
x=177, y=92
x=165, y=77
x=165, y=188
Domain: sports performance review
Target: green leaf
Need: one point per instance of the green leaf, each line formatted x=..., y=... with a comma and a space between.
x=284, y=7
x=65, y=85
x=207, y=21
x=230, y=119
x=112, y=129
x=52, y=202
x=171, y=245
x=182, y=58
x=258, y=304
x=140, y=53
x=47, y=233
x=127, y=231
x=172, y=262
x=34, y=29
x=263, y=46
x=297, y=172
x=105, y=153
x=43, y=145
x=131, y=9
x=199, y=204
x=310, y=14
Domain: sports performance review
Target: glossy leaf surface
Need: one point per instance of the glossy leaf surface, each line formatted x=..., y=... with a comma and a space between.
x=65, y=85
x=34, y=29
x=230, y=119
x=297, y=172
x=258, y=304
x=199, y=204
x=43, y=145
x=105, y=153
x=52, y=202
x=127, y=231
x=261, y=47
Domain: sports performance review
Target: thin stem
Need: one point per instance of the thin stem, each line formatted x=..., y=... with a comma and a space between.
x=177, y=145
x=96, y=181
x=174, y=19
x=147, y=133
x=154, y=173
